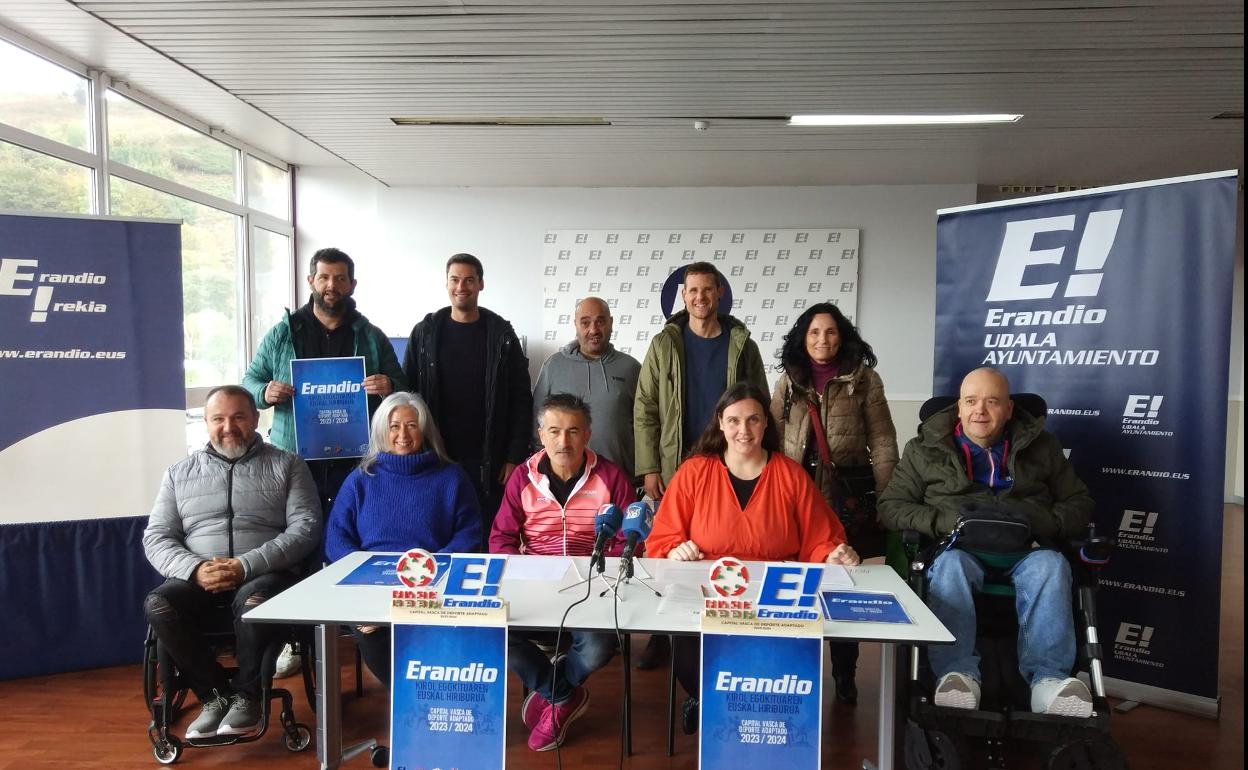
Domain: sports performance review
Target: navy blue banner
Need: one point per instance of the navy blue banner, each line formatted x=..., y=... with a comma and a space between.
x=91, y=320
x=92, y=410
x=1114, y=305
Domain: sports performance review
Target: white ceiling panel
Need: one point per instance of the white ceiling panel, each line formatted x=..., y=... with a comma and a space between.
x=1111, y=90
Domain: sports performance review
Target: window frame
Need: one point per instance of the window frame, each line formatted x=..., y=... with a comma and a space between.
x=96, y=159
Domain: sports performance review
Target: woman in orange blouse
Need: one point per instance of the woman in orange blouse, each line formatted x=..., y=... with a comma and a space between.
x=738, y=495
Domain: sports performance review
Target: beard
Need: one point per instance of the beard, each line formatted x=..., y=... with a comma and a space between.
x=338, y=308
x=232, y=448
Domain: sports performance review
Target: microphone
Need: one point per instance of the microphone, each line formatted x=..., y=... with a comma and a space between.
x=606, y=524
x=638, y=519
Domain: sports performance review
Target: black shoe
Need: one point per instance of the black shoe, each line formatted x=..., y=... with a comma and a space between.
x=846, y=689
x=689, y=716
x=656, y=654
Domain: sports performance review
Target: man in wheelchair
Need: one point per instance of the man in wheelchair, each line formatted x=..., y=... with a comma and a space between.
x=1011, y=483
x=230, y=525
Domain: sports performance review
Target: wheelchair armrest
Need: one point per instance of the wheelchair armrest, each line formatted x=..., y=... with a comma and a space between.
x=1096, y=550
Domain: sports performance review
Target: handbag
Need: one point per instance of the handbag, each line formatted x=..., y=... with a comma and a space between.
x=851, y=493
x=990, y=528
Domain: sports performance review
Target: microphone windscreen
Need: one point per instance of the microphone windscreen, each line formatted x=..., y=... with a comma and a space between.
x=608, y=519
x=638, y=520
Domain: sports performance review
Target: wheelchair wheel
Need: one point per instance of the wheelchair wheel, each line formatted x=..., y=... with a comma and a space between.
x=931, y=749
x=1087, y=755
x=379, y=756
x=168, y=750
x=299, y=739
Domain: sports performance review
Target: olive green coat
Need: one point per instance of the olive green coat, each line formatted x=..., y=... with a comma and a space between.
x=930, y=483
x=658, y=410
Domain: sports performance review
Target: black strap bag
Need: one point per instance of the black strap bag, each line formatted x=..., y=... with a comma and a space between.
x=990, y=528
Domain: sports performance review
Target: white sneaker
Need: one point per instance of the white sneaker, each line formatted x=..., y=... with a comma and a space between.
x=1067, y=697
x=288, y=663
x=958, y=691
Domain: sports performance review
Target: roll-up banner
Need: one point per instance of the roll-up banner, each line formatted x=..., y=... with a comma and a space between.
x=1114, y=304
x=92, y=411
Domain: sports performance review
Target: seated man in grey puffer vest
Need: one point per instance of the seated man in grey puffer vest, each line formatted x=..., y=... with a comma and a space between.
x=231, y=525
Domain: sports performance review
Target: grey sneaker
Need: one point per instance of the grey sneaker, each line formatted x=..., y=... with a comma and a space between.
x=243, y=717
x=288, y=663
x=1064, y=697
x=957, y=690
x=205, y=725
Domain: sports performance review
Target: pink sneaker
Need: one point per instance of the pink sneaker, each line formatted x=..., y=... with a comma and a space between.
x=553, y=725
x=532, y=708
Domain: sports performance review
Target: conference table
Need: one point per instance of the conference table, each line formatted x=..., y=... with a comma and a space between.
x=540, y=604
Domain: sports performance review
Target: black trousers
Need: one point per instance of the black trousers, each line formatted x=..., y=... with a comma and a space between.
x=375, y=650
x=484, y=478
x=181, y=613
x=687, y=663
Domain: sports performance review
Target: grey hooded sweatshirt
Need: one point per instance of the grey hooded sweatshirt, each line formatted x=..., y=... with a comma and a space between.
x=607, y=384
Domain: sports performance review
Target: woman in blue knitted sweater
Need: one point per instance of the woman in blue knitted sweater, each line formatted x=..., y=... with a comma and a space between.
x=405, y=494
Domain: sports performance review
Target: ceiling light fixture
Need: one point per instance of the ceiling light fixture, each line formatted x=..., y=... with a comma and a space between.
x=538, y=120
x=900, y=120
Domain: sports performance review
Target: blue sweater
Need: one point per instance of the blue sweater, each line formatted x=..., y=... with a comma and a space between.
x=409, y=501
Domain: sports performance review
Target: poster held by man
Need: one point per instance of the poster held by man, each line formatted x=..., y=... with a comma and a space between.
x=331, y=407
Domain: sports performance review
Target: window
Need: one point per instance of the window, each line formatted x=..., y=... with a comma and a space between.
x=153, y=163
x=146, y=140
x=271, y=282
x=44, y=98
x=209, y=278
x=268, y=188
x=32, y=181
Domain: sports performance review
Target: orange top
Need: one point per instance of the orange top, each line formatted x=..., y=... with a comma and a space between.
x=786, y=519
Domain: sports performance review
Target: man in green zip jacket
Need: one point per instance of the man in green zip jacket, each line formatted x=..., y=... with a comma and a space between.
x=328, y=326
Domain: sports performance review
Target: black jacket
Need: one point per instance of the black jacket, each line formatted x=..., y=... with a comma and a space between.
x=509, y=400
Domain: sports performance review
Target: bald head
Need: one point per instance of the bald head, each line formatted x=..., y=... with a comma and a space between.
x=984, y=406
x=592, y=319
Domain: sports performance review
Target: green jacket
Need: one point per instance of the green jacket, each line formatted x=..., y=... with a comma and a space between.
x=930, y=483
x=272, y=362
x=658, y=410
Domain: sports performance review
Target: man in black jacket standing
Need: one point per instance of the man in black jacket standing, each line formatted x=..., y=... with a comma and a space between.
x=468, y=365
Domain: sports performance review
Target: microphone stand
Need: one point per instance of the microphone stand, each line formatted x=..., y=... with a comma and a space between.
x=624, y=577
x=601, y=563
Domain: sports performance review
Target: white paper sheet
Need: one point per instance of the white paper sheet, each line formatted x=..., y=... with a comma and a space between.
x=551, y=568
x=835, y=576
x=685, y=571
x=681, y=599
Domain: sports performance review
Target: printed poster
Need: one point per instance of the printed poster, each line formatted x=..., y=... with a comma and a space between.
x=331, y=408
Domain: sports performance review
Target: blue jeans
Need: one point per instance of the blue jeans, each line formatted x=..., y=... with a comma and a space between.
x=1046, y=626
x=589, y=652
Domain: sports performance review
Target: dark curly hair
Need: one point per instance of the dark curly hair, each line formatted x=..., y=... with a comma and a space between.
x=712, y=441
x=794, y=360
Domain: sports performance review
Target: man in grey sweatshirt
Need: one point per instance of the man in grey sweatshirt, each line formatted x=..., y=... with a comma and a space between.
x=601, y=376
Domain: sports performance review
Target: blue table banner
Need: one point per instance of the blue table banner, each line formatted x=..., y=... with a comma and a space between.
x=331, y=408
x=448, y=697
x=760, y=701
x=379, y=570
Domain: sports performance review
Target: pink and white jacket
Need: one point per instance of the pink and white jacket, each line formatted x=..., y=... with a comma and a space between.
x=531, y=521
